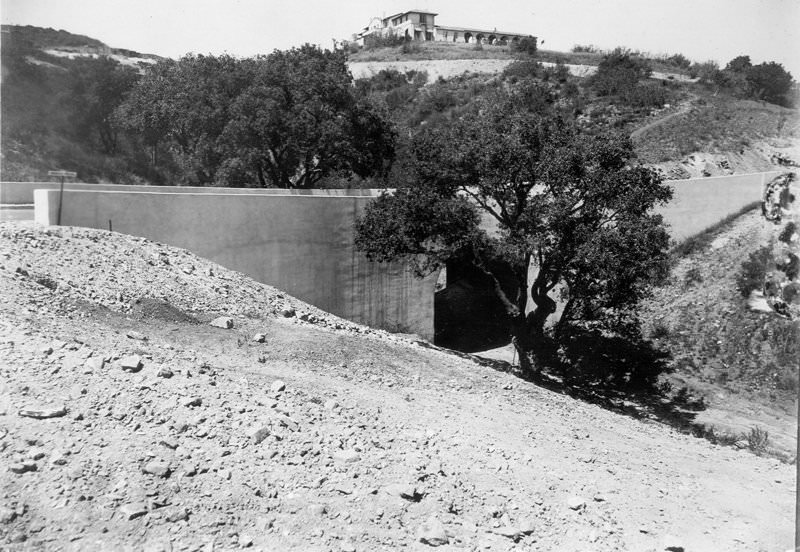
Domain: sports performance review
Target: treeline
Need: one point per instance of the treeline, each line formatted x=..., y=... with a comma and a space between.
x=287, y=119
x=294, y=118
x=767, y=81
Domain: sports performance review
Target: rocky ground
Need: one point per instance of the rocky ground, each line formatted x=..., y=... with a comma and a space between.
x=129, y=421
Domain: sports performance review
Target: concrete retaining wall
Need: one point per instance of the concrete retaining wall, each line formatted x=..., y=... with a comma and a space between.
x=700, y=203
x=299, y=243
x=21, y=193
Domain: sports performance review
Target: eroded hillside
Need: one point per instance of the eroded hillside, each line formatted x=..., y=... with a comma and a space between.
x=127, y=419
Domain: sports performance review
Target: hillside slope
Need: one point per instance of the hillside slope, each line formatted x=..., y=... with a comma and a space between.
x=374, y=444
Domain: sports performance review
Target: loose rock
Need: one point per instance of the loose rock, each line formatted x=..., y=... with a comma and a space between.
x=224, y=322
x=576, y=503
x=159, y=469
x=43, y=412
x=433, y=533
x=131, y=363
x=133, y=510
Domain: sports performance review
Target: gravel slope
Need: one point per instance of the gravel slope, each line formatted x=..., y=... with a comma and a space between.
x=375, y=443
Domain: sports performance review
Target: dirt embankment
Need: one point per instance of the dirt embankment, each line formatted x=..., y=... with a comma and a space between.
x=138, y=424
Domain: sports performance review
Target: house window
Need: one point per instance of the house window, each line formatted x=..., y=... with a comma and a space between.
x=423, y=19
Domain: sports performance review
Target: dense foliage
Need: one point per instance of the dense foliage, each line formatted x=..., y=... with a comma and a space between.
x=570, y=205
x=767, y=81
x=285, y=120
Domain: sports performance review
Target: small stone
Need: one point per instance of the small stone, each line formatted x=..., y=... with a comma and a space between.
x=164, y=372
x=245, y=541
x=317, y=509
x=258, y=433
x=58, y=458
x=22, y=467
x=192, y=401
x=225, y=474
x=508, y=531
x=133, y=510
x=159, y=469
x=136, y=335
x=94, y=364
x=131, y=363
x=43, y=412
x=331, y=404
x=169, y=442
x=403, y=490
x=277, y=386
x=7, y=515
x=224, y=322
x=576, y=503
x=346, y=456
x=179, y=514
x=432, y=533
x=288, y=312
x=347, y=546
x=287, y=422
x=527, y=526
x=259, y=338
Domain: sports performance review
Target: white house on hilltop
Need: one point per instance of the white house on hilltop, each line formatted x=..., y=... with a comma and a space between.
x=420, y=26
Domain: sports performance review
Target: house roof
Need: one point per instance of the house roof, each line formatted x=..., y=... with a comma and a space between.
x=409, y=11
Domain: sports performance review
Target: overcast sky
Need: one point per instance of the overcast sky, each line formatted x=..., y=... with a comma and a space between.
x=767, y=30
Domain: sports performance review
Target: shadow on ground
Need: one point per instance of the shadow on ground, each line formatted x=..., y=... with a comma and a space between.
x=614, y=374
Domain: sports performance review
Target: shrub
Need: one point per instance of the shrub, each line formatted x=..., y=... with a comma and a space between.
x=388, y=40
x=523, y=69
x=788, y=231
x=526, y=46
x=757, y=440
x=648, y=95
x=754, y=270
x=791, y=267
x=770, y=82
x=619, y=72
x=707, y=72
x=410, y=47
x=585, y=48
x=679, y=60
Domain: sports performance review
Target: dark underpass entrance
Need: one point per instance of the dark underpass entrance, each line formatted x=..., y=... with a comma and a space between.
x=468, y=315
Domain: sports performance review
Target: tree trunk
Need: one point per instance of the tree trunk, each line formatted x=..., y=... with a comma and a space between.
x=528, y=335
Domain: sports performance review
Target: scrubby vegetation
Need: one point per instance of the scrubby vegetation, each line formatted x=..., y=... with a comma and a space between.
x=56, y=110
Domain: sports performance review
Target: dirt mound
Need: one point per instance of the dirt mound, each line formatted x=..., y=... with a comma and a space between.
x=306, y=432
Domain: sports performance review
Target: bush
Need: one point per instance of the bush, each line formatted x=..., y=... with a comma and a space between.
x=619, y=72
x=707, y=72
x=757, y=440
x=522, y=69
x=526, y=46
x=410, y=47
x=788, y=231
x=754, y=271
x=679, y=60
x=587, y=48
x=388, y=40
x=770, y=82
x=647, y=95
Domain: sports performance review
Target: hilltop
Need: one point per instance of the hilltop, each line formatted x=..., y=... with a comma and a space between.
x=681, y=124
x=299, y=431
